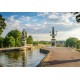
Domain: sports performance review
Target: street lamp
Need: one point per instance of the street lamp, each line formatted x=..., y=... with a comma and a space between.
x=53, y=34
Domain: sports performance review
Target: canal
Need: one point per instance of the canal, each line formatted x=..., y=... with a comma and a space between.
x=21, y=58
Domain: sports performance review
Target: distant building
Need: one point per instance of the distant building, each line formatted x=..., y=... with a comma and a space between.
x=60, y=43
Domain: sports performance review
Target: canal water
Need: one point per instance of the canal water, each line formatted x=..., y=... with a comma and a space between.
x=21, y=58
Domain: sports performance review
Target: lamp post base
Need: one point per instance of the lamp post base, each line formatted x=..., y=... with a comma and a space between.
x=53, y=42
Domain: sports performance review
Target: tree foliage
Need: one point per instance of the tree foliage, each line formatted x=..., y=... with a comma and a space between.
x=1, y=42
x=44, y=42
x=71, y=42
x=6, y=42
x=30, y=39
x=9, y=41
x=77, y=16
x=15, y=33
x=17, y=43
x=2, y=24
x=78, y=44
x=17, y=36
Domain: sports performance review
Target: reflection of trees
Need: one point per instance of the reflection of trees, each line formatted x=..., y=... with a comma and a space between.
x=24, y=60
x=20, y=56
x=1, y=65
x=17, y=58
x=14, y=55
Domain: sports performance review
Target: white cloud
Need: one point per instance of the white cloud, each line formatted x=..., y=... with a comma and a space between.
x=45, y=22
x=72, y=33
x=34, y=20
x=52, y=16
x=24, y=18
x=43, y=14
x=65, y=18
x=61, y=18
x=64, y=23
x=12, y=24
x=28, y=25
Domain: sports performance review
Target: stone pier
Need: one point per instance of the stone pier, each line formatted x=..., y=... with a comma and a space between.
x=60, y=57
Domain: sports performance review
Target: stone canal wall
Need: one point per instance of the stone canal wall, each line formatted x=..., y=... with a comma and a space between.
x=28, y=47
x=15, y=49
x=42, y=50
x=45, y=51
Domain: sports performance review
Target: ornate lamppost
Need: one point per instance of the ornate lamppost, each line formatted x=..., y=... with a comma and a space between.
x=53, y=34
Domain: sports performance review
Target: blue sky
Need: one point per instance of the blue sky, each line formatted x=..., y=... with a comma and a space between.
x=39, y=24
x=19, y=13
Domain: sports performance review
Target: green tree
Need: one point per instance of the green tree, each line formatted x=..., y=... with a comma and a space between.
x=78, y=44
x=17, y=36
x=71, y=42
x=9, y=41
x=30, y=39
x=2, y=24
x=6, y=41
x=77, y=16
x=18, y=42
x=1, y=42
x=15, y=33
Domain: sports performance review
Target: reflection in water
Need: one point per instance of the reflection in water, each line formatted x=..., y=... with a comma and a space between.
x=13, y=55
x=30, y=54
x=21, y=58
x=24, y=58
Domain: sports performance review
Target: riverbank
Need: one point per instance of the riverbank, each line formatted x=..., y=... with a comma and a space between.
x=15, y=49
x=22, y=48
x=60, y=57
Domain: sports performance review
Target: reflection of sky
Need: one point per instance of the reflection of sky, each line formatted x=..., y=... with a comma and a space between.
x=38, y=23
x=34, y=58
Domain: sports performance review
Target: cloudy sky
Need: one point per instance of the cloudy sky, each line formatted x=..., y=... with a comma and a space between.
x=39, y=24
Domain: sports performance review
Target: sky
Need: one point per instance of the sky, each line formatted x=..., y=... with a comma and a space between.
x=39, y=24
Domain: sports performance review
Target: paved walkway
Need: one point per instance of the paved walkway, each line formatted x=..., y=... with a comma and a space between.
x=61, y=57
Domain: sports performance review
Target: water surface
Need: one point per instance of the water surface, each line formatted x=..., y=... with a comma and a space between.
x=21, y=58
